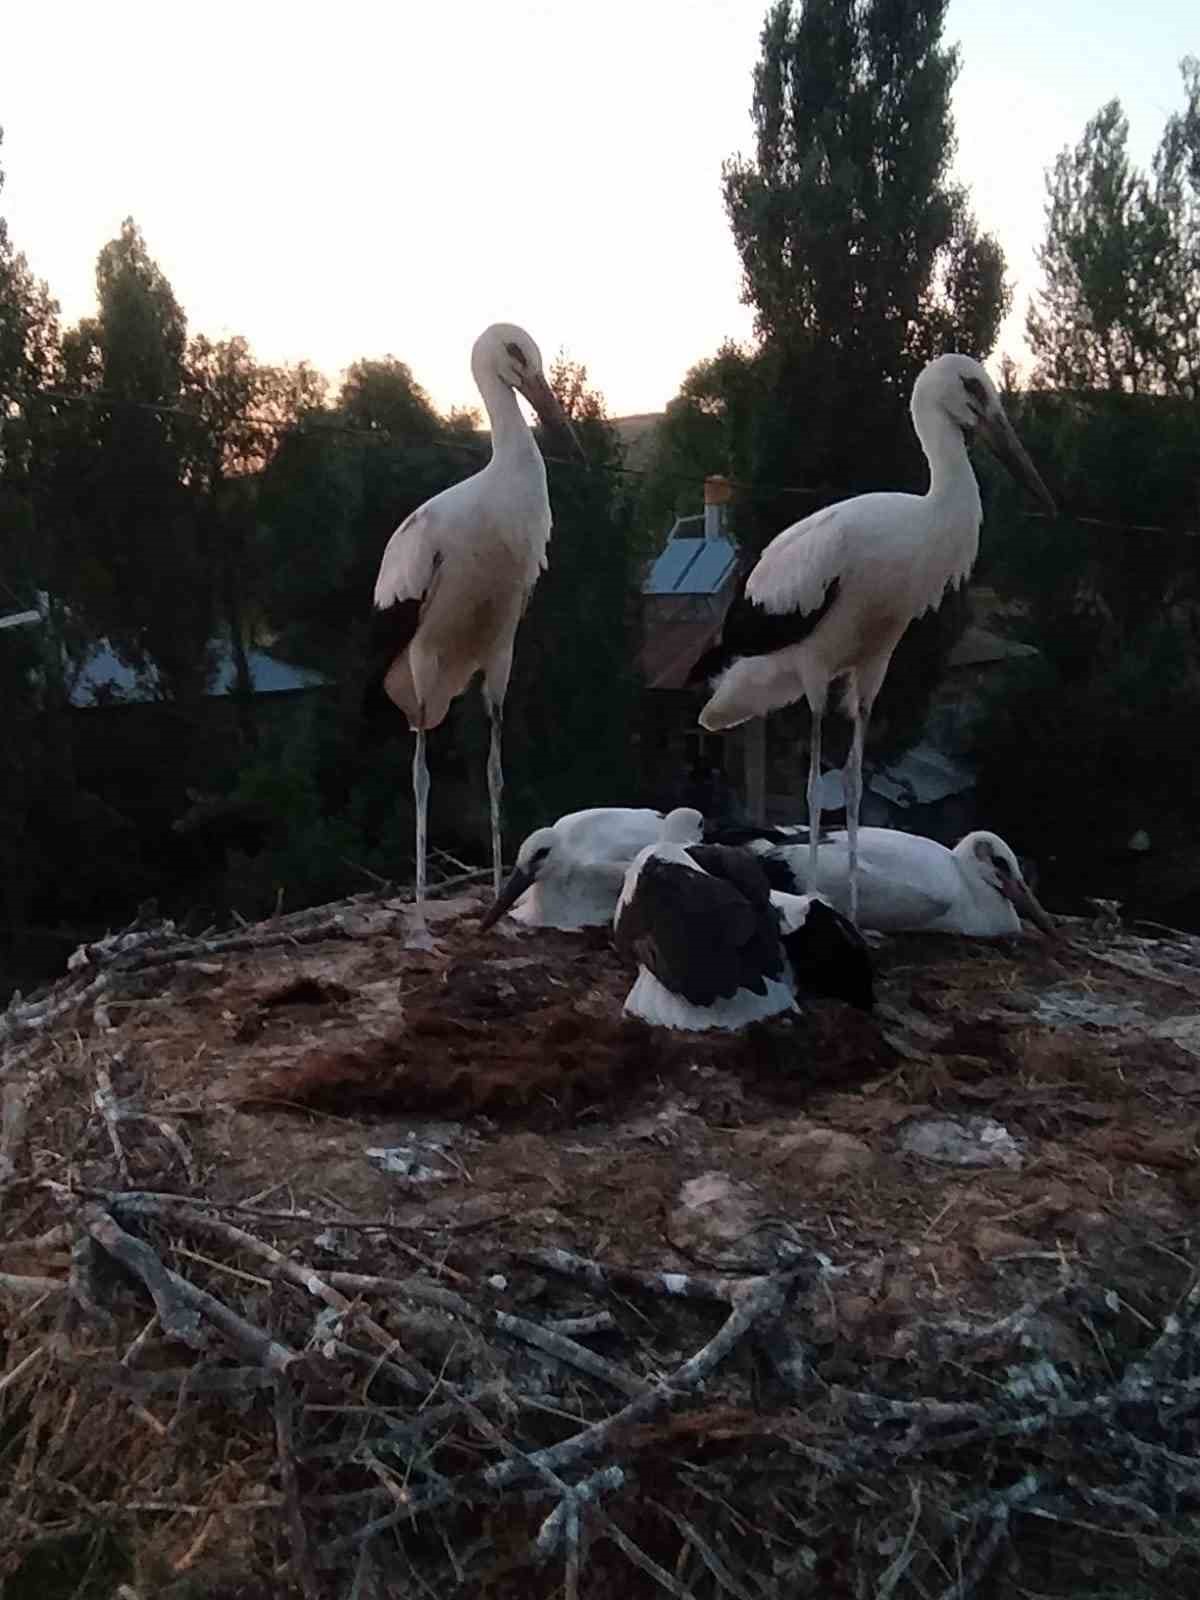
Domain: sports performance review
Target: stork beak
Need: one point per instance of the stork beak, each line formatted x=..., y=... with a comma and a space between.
x=545, y=402
x=1027, y=904
x=998, y=431
x=511, y=891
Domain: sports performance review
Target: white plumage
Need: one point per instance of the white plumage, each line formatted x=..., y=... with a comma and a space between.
x=569, y=875
x=456, y=574
x=831, y=596
x=909, y=884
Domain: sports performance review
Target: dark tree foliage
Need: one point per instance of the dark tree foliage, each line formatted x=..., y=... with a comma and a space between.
x=860, y=255
x=572, y=697
x=134, y=559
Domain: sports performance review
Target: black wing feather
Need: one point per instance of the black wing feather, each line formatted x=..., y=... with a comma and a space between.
x=393, y=629
x=698, y=934
x=750, y=630
x=829, y=956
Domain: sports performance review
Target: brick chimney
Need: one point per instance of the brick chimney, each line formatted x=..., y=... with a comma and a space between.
x=718, y=492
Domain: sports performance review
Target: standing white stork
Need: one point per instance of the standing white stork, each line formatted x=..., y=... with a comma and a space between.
x=831, y=596
x=456, y=574
x=716, y=948
x=570, y=874
x=909, y=884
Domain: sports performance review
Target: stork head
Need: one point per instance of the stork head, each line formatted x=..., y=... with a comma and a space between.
x=682, y=826
x=960, y=389
x=991, y=861
x=532, y=857
x=510, y=354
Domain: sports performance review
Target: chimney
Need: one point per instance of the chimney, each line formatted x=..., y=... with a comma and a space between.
x=718, y=492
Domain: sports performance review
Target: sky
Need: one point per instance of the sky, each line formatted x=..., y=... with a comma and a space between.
x=343, y=181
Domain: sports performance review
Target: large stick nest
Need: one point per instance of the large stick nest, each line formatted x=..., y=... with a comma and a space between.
x=332, y=1266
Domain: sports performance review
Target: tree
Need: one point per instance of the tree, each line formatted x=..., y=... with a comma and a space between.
x=1120, y=310
x=138, y=567
x=708, y=428
x=241, y=409
x=860, y=256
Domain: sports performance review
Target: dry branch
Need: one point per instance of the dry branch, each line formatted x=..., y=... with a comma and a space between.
x=605, y=1279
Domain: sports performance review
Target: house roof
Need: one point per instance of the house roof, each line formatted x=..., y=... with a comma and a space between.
x=671, y=649
x=104, y=677
x=691, y=566
x=980, y=647
x=20, y=619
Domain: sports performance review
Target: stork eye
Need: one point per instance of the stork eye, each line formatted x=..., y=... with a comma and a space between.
x=517, y=354
x=1002, y=866
x=977, y=393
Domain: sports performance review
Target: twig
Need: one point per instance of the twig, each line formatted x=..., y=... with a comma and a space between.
x=766, y=1295
x=105, y=1102
x=168, y=1288
x=301, y=1563
x=545, y=1339
x=178, y=1321
x=297, y=1272
x=707, y=1554
x=23, y=1365
x=21, y=1283
x=606, y=1279
x=14, y=1114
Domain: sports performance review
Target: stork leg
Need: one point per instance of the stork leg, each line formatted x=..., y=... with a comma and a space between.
x=814, y=799
x=421, y=801
x=495, y=776
x=862, y=716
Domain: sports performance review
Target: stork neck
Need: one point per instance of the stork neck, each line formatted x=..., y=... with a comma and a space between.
x=951, y=476
x=510, y=431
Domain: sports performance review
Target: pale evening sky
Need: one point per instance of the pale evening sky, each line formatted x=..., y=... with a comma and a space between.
x=336, y=182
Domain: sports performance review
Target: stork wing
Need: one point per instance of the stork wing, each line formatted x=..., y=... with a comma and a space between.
x=790, y=590
x=798, y=568
x=698, y=935
x=894, y=895
x=407, y=578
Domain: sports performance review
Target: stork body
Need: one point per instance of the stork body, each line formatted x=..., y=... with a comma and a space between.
x=831, y=596
x=570, y=875
x=909, y=884
x=456, y=574
x=715, y=948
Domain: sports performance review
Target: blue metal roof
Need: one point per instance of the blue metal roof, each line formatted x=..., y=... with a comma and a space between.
x=691, y=566
x=105, y=677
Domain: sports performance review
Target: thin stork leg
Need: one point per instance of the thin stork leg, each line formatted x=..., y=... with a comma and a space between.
x=854, y=800
x=495, y=775
x=421, y=800
x=814, y=799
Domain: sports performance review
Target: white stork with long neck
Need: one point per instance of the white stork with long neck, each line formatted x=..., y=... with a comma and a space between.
x=570, y=874
x=456, y=575
x=907, y=883
x=831, y=596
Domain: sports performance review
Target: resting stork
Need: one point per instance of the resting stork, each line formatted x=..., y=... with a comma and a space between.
x=569, y=875
x=831, y=596
x=456, y=574
x=716, y=948
x=909, y=884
